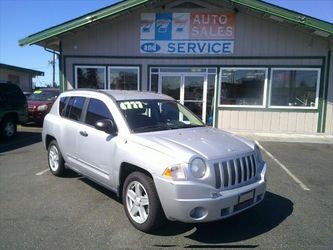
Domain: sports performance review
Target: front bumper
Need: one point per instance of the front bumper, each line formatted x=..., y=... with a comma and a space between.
x=36, y=116
x=179, y=200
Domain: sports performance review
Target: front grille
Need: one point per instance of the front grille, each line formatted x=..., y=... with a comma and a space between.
x=235, y=171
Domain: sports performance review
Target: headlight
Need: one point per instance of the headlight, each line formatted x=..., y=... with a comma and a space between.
x=176, y=172
x=258, y=154
x=198, y=168
x=42, y=107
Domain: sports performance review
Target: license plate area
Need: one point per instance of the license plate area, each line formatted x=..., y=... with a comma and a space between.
x=244, y=200
x=246, y=196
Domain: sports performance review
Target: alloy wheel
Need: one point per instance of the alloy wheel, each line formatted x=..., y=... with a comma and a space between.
x=137, y=202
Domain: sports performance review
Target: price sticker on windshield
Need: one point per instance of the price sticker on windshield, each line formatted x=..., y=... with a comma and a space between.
x=131, y=105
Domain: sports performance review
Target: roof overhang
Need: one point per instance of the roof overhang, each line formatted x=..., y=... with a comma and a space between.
x=25, y=70
x=50, y=38
x=280, y=14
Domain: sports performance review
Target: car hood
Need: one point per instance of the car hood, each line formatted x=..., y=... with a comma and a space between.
x=185, y=144
x=37, y=103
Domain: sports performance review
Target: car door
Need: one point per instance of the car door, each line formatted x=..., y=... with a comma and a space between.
x=70, y=108
x=96, y=149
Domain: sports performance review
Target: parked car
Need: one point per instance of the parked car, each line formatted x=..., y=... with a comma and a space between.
x=13, y=109
x=154, y=153
x=40, y=103
x=27, y=93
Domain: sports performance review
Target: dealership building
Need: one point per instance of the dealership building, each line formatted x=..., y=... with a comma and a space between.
x=240, y=65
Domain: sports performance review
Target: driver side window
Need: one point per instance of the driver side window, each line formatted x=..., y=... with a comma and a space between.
x=97, y=110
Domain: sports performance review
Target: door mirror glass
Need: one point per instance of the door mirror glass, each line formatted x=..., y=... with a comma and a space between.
x=106, y=125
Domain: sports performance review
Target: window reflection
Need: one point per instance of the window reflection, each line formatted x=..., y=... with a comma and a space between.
x=171, y=86
x=124, y=78
x=90, y=77
x=242, y=87
x=294, y=87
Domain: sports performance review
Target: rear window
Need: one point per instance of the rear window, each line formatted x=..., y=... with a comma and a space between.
x=62, y=105
x=43, y=95
x=71, y=108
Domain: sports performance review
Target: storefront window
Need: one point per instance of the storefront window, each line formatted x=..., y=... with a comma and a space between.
x=243, y=87
x=90, y=77
x=294, y=88
x=125, y=78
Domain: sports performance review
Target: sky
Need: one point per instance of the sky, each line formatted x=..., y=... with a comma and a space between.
x=21, y=18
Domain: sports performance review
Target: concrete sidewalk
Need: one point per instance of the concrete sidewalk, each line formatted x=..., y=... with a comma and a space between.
x=301, y=138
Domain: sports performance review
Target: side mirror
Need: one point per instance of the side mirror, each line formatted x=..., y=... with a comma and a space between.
x=106, y=125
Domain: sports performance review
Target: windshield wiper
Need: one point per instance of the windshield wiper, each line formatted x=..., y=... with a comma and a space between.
x=190, y=126
x=150, y=128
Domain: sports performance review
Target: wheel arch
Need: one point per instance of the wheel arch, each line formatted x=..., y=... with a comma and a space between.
x=48, y=139
x=12, y=115
x=125, y=170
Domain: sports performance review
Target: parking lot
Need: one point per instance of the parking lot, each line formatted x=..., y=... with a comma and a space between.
x=39, y=211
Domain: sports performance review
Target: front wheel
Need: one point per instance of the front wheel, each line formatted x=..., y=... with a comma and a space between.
x=141, y=203
x=55, y=160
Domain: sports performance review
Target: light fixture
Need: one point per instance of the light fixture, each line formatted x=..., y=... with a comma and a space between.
x=276, y=18
x=321, y=33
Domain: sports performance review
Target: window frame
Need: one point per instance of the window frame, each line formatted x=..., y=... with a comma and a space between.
x=123, y=67
x=87, y=67
x=264, y=101
x=294, y=107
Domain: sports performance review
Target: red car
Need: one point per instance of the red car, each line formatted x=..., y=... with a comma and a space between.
x=40, y=103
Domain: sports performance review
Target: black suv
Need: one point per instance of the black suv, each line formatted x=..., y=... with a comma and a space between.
x=13, y=109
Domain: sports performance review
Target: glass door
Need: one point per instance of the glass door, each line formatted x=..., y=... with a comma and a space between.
x=194, y=94
x=170, y=85
x=188, y=89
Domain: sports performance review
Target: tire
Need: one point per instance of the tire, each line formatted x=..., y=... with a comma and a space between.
x=141, y=203
x=8, y=128
x=55, y=159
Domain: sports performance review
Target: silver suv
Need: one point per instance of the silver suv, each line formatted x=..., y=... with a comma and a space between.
x=156, y=154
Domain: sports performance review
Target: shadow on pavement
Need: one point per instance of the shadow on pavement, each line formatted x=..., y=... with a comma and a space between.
x=251, y=223
x=221, y=234
x=102, y=189
x=21, y=139
x=227, y=233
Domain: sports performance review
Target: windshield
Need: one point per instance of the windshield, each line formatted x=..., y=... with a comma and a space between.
x=43, y=95
x=157, y=115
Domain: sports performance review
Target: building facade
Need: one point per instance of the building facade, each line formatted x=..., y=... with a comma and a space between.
x=20, y=76
x=238, y=64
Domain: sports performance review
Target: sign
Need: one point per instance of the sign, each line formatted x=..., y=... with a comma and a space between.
x=187, y=33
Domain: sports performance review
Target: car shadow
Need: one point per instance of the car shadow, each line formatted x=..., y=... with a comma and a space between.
x=264, y=217
x=32, y=125
x=258, y=220
x=20, y=140
x=101, y=189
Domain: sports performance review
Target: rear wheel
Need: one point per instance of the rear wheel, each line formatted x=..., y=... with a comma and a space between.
x=55, y=159
x=8, y=128
x=141, y=203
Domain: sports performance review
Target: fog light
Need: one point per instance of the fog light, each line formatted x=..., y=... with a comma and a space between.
x=198, y=213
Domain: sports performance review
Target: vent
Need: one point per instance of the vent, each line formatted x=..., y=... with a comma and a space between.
x=235, y=172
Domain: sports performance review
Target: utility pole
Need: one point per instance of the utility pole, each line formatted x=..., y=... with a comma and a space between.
x=53, y=69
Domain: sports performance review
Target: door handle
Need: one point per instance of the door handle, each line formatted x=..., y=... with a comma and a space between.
x=84, y=133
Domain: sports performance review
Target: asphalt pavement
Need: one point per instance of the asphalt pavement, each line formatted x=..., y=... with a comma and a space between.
x=40, y=211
